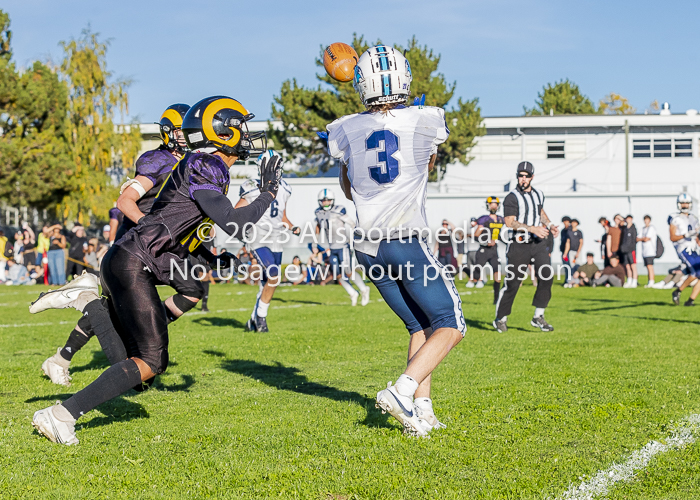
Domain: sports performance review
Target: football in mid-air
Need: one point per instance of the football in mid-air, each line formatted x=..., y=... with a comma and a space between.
x=340, y=59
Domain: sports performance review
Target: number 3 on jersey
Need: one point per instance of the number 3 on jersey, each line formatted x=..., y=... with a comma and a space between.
x=387, y=144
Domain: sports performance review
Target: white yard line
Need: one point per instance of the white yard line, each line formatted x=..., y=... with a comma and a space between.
x=683, y=434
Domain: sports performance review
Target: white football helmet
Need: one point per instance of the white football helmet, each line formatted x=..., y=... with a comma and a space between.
x=382, y=75
x=326, y=195
x=682, y=199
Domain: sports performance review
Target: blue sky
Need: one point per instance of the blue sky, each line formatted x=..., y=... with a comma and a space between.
x=501, y=51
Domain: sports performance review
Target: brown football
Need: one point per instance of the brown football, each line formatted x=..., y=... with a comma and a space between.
x=340, y=59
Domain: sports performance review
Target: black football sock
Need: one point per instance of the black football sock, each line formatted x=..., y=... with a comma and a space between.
x=496, y=290
x=102, y=325
x=205, y=298
x=115, y=380
x=75, y=342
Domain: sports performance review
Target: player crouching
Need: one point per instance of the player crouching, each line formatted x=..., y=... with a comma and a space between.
x=386, y=155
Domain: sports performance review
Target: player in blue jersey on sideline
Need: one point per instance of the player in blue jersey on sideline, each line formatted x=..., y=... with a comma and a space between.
x=386, y=154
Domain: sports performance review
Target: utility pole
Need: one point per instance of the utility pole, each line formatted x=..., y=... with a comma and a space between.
x=627, y=155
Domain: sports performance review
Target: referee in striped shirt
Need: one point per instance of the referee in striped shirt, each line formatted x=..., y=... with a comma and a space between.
x=530, y=244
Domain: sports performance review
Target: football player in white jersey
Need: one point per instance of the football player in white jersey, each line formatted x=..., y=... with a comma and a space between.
x=265, y=240
x=683, y=228
x=386, y=154
x=333, y=222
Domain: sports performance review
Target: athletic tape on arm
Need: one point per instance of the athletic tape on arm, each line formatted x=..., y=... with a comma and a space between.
x=135, y=184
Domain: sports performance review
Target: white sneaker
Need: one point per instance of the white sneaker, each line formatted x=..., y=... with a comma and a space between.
x=659, y=285
x=480, y=284
x=353, y=299
x=428, y=420
x=58, y=431
x=401, y=408
x=627, y=285
x=365, y=297
x=649, y=285
x=57, y=373
x=70, y=295
x=670, y=285
x=470, y=284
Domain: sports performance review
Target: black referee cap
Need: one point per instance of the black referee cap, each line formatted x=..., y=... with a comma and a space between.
x=526, y=166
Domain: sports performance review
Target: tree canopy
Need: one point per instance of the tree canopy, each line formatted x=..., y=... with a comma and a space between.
x=305, y=111
x=562, y=98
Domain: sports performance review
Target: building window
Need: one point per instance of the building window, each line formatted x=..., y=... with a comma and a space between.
x=662, y=148
x=555, y=149
x=683, y=148
x=641, y=148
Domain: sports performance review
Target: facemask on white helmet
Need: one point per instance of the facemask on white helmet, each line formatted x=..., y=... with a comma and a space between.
x=382, y=75
x=326, y=199
x=682, y=199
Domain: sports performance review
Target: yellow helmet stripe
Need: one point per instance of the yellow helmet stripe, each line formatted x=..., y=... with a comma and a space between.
x=173, y=116
x=208, y=116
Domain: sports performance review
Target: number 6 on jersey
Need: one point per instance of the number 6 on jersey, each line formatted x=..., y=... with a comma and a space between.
x=387, y=145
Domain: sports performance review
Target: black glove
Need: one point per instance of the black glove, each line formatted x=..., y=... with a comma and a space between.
x=270, y=174
x=226, y=261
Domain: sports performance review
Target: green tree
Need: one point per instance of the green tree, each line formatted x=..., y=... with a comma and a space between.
x=98, y=144
x=35, y=160
x=305, y=111
x=562, y=98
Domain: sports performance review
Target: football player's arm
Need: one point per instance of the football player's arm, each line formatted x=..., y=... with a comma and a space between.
x=113, y=225
x=219, y=209
x=431, y=163
x=674, y=235
x=132, y=191
x=288, y=224
x=345, y=184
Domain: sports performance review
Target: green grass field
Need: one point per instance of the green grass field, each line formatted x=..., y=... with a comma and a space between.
x=290, y=414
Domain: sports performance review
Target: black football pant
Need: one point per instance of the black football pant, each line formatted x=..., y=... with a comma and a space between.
x=518, y=257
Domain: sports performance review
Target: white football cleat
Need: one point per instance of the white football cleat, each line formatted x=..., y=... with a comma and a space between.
x=429, y=421
x=353, y=299
x=401, y=408
x=77, y=294
x=58, y=431
x=365, y=297
x=57, y=373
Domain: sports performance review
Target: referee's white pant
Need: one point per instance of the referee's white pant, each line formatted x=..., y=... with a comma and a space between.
x=518, y=257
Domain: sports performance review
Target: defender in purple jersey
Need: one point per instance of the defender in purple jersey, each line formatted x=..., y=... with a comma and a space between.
x=192, y=198
x=152, y=168
x=486, y=233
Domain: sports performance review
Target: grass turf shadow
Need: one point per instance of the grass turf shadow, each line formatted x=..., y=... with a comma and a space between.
x=289, y=378
x=216, y=321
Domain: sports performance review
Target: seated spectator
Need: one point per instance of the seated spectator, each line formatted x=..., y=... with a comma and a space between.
x=296, y=273
x=36, y=272
x=17, y=274
x=584, y=275
x=673, y=279
x=612, y=275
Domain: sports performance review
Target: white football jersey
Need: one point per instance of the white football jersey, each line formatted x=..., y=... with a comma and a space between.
x=268, y=230
x=686, y=225
x=332, y=223
x=387, y=155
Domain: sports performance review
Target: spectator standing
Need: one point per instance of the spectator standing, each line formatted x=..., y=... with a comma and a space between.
x=443, y=244
x=18, y=248
x=57, y=257
x=29, y=240
x=605, y=241
x=628, y=246
x=43, y=243
x=612, y=275
x=566, y=224
x=5, y=252
x=574, y=245
x=615, y=232
x=460, y=243
x=76, y=253
x=90, y=258
x=649, y=242
x=472, y=247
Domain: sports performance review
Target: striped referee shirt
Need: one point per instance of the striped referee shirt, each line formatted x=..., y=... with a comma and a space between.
x=526, y=207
